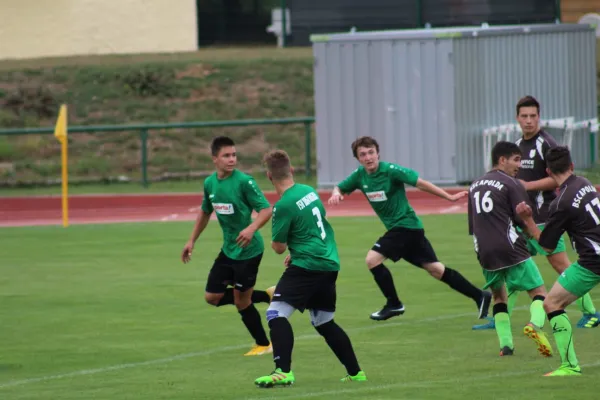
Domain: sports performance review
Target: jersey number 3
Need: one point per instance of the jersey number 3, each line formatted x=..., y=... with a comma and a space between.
x=486, y=202
x=317, y=214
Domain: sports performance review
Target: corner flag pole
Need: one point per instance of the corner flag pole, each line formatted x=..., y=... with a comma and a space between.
x=60, y=131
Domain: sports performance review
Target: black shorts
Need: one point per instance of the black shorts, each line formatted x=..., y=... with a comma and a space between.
x=306, y=289
x=241, y=274
x=409, y=244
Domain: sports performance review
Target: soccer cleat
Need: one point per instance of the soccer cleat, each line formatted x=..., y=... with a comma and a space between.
x=257, y=350
x=506, y=351
x=484, y=304
x=360, y=377
x=277, y=378
x=589, y=321
x=270, y=291
x=387, y=312
x=490, y=325
x=565, y=371
x=540, y=339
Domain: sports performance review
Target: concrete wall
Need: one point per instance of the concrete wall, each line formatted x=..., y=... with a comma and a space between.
x=49, y=28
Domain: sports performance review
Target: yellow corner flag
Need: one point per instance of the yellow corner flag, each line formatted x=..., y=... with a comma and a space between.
x=60, y=131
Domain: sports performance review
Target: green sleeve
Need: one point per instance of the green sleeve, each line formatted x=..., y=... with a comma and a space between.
x=403, y=175
x=206, y=204
x=254, y=195
x=350, y=184
x=281, y=221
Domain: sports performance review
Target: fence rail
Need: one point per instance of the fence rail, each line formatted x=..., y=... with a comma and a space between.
x=145, y=128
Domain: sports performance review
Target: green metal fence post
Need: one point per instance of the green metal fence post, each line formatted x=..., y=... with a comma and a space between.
x=592, y=148
x=307, y=140
x=283, y=6
x=419, y=14
x=557, y=11
x=144, y=139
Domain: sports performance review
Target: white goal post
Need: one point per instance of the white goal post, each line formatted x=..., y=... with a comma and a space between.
x=511, y=132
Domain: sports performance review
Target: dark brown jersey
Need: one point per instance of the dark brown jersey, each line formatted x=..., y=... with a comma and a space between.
x=533, y=168
x=493, y=199
x=576, y=210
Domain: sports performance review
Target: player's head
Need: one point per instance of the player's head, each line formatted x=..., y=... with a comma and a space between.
x=223, y=153
x=506, y=156
x=528, y=115
x=279, y=166
x=366, y=150
x=558, y=161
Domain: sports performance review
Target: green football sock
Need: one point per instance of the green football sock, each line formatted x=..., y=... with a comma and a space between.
x=512, y=300
x=563, y=335
x=503, y=330
x=586, y=305
x=538, y=315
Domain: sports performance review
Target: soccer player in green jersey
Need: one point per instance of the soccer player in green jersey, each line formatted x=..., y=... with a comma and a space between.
x=576, y=210
x=383, y=184
x=233, y=195
x=300, y=224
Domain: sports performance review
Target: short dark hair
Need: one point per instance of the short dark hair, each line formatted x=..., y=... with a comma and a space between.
x=364, y=141
x=504, y=149
x=528, y=101
x=218, y=143
x=558, y=159
x=278, y=164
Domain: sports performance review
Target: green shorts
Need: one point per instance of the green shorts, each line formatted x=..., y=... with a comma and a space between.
x=578, y=280
x=521, y=277
x=534, y=247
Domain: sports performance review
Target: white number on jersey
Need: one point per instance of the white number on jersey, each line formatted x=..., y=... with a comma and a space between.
x=486, y=202
x=317, y=214
x=588, y=208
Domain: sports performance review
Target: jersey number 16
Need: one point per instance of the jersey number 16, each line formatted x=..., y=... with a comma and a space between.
x=486, y=202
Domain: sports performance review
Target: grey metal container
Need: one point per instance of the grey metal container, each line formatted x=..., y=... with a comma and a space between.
x=427, y=95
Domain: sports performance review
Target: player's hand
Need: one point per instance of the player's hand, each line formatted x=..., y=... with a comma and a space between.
x=245, y=237
x=524, y=210
x=335, y=199
x=287, y=260
x=186, y=254
x=458, y=196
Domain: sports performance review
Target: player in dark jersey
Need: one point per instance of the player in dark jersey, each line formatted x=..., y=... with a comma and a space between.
x=502, y=252
x=300, y=224
x=383, y=184
x=541, y=189
x=233, y=196
x=576, y=210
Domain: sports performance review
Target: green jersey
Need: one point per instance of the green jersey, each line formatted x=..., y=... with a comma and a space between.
x=233, y=200
x=385, y=191
x=299, y=221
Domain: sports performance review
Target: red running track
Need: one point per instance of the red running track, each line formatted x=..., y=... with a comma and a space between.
x=97, y=209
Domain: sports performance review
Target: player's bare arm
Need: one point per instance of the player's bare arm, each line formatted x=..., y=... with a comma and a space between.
x=544, y=184
x=336, y=196
x=429, y=187
x=526, y=214
x=199, y=226
x=278, y=247
x=245, y=236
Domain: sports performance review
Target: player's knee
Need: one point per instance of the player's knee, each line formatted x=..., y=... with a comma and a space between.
x=213, y=298
x=242, y=304
x=435, y=269
x=279, y=309
x=320, y=318
x=372, y=260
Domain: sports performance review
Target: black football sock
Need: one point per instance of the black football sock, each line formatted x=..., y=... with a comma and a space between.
x=251, y=319
x=282, y=337
x=227, y=298
x=340, y=344
x=384, y=280
x=456, y=281
x=260, y=296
